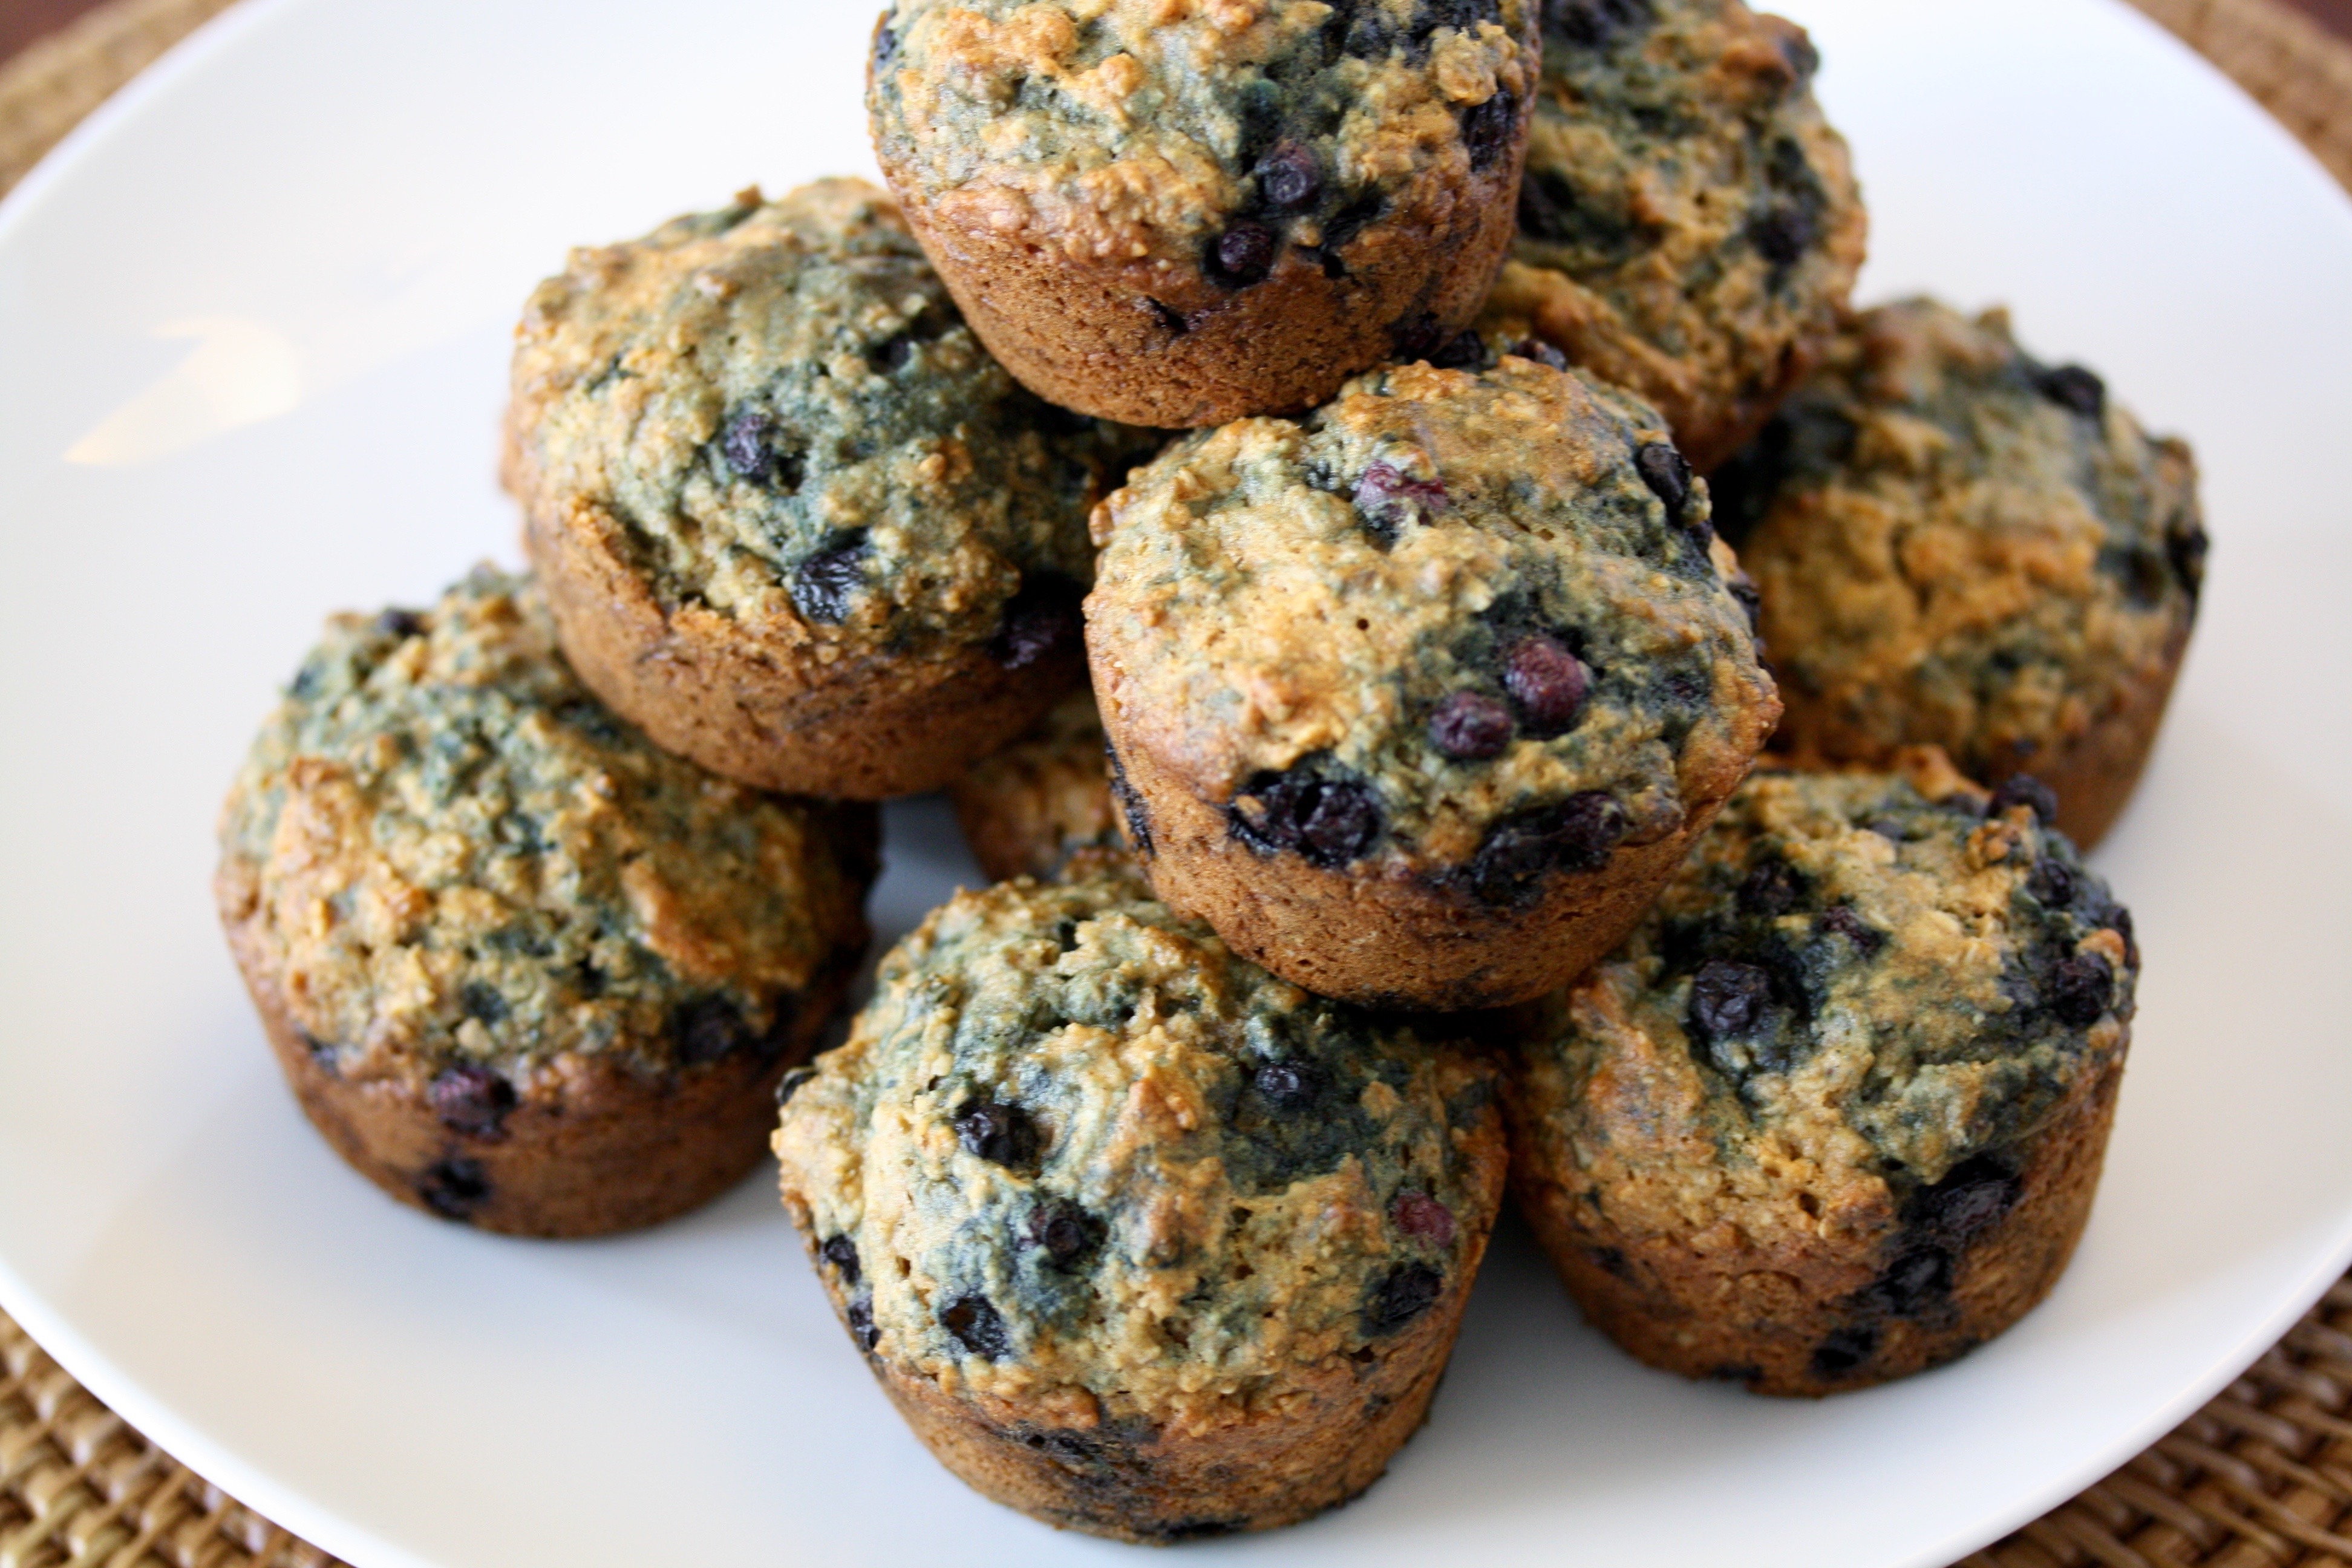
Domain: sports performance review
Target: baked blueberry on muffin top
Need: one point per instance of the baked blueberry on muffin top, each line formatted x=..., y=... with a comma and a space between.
x=1688, y=225
x=1115, y=190
x=1457, y=634
x=1834, y=1110
x=764, y=433
x=1960, y=545
x=1141, y=1238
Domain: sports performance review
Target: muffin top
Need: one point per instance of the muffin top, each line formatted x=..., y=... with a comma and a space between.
x=452, y=856
x=1198, y=134
x=1471, y=622
x=1873, y=976
x=1687, y=218
x=1043, y=799
x=1077, y=1154
x=1958, y=545
x=792, y=425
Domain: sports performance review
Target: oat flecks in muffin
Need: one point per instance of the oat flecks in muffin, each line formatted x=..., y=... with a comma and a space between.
x=789, y=419
x=1689, y=225
x=1959, y=545
x=449, y=856
x=1207, y=136
x=1425, y=621
x=1080, y=1162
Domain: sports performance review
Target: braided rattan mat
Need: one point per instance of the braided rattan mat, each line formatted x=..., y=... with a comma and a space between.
x=2261, y=1477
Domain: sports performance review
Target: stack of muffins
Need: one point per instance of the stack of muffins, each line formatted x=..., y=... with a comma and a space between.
x=1410, y=839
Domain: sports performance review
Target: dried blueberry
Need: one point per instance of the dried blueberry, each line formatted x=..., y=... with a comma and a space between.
x=1289, y=176
x=752, y=443
x=860, y=1316
x=2073, y=387
x=455, y=1187
x=1842, y=1350
x=1972, y=1195
x=1842, y=921
x=1549, y=683
x=1041, y=620
x=2050, y=882
x=1400, y=1296
x=1242, y=256
x=471, y=1099
x=842, y=1253
x=1771, y=889
x=1783, y=231
x=1424, y=1218
x=1000, y=1134
x=886, y=49
x=1387, y=498
x=1487, y=130
x=827, y=581
x=2023, y=789
x=792, y=1084
x=1066, y=1231
x=401, y=623
x=1329, y=822
x=1470, y=726
x=976, y=1324
x=1287, y=1084
x=1520, y=851
x=2080, y=987
x=1728, y=999
x=1667, y=474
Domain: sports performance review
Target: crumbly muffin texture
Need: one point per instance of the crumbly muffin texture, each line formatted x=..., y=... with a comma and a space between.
x=1961, y=546
x=1079, y=1164
x=447, y=855
x=1210, y=136
x=1032, y=807
x=785, y=412
x=1473, y=623
x=1689, y=225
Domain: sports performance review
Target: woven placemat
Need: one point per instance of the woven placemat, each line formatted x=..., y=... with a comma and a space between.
x=2261, y=1477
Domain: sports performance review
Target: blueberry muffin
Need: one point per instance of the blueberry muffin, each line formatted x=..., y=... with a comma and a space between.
x=1180, y=214
x=1835, y=1111
x=1689, y=226
x=521, y=968
x=1960, y=546
x=1419, y=700
x=1043, y=801
x=790, y=517
x=1140, y=1239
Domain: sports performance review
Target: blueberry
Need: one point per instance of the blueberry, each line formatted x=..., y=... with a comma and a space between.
x=1387, y=498
x=1743, y=589
x=1520, y=851
x=1041, y=620
x=1400, y=1296
x=2073, y=387
x=1667, y=473
x=1000, y=1134
x=1329, y=822
x=1066, y=1231
x=1805, y=59
x=1242, y=256
x=886, y=49
x=1771, y=889
x=2050, y=882
x=1465, y=350
x=1289, y=176
x=2080, y=987
x=842, y=1253
x=749, y=442
x=791, y=1084
x=976, y=1324
x=1542, y=352
x=1549, y=683
x=1911, y=1285
x=710, y=1028
x=1424, y=1218
x=1470, y=727
x=2184, y=546
x=2023, y=789
x=455, y=1187
x=1287, y=1084
x=1728, y=999
x=1783, y=231
x=1843, y=1350
x=401, y=623
x=471, y=1099
x=1487, y=130
x=1172, y=320
x=1973, y=1194
x=1592, y=24
x=828, y=580
x=1417, y=337
x=1131, y=804
x=860, y=1315
x=1842, y=921
x=482, y=1001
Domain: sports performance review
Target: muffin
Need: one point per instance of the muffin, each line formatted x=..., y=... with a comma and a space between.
x=1689, y=226
x=1960, y=546
x=1140, y=1239
x=1419, y=699
x=521, y=969
x=1035, y=806
x=1178, y=215
x=791, y=519
x=1835, y=1111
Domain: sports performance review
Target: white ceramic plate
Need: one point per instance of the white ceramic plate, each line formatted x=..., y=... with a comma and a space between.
x=253, y=327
